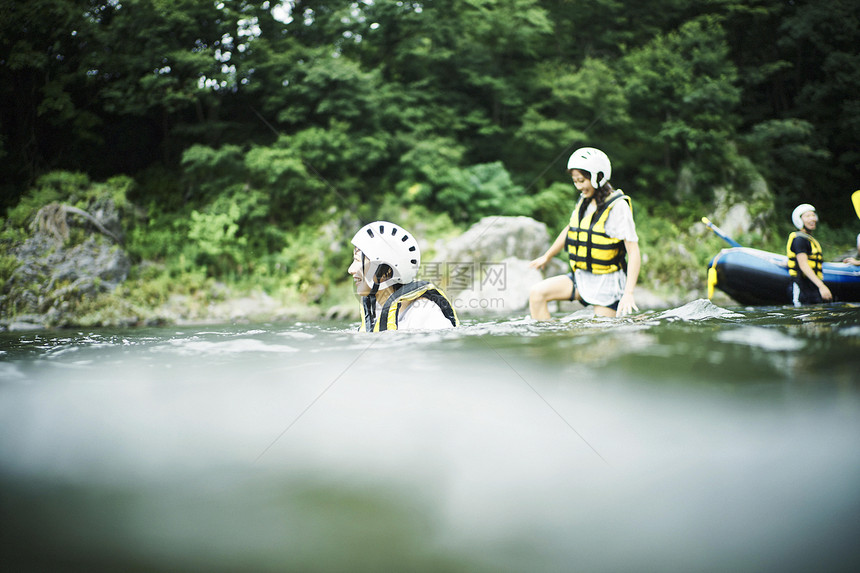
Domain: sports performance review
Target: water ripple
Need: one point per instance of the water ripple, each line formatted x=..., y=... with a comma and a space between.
x=760, y=337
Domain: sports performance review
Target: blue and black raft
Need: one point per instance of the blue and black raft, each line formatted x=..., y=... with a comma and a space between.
x=760, y=278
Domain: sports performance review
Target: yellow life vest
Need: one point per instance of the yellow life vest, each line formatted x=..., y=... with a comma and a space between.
x=389, y=315
x=588, y=245
x=816, y=258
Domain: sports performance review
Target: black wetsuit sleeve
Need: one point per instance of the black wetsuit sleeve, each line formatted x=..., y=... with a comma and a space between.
x=801, y=245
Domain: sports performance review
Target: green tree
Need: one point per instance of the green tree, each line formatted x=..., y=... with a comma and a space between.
x=42, y=97
x=111, y=86
x=825, y=41
x=682, y=92
x=798, y=64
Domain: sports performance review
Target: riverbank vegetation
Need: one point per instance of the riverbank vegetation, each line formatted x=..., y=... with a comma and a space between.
x=239, y=144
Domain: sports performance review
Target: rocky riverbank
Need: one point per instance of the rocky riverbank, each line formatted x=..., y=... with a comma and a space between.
x=55, y=285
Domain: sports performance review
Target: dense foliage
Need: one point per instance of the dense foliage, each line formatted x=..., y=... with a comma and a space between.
x=245, y=123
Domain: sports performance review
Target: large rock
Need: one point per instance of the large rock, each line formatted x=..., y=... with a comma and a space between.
x=485, y=270
x=736, y=220
x=732, y=209
x=493, y=239
x=49, y=275
x=95, y=262
x=98, y=264
x=501, y=288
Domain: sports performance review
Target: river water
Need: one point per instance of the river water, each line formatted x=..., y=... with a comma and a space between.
x=693, y=439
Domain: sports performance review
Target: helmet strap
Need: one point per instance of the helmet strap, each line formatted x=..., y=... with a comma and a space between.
x=368, y=304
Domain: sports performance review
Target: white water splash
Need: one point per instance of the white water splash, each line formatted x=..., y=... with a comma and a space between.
x=700, y=309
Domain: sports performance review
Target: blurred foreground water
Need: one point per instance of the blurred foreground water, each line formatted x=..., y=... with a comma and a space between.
x=696, y=439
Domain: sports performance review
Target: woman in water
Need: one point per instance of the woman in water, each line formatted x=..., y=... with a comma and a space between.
x=601, y=242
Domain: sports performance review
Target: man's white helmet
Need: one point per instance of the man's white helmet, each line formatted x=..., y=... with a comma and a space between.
x=798, y=212
x=594, y=161
x=385, y=243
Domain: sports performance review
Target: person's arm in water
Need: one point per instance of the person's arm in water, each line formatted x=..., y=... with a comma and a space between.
x=555, y=249
x=803, y=265
x=627, y=304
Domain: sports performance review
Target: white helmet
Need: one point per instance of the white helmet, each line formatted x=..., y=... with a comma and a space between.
x=798, y=212
x=385, y=243
x=594, y=161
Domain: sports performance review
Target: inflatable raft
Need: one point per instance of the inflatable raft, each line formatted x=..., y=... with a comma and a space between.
x=755, y=277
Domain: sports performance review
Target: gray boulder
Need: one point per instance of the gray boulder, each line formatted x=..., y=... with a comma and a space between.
x=485, y=270
x=50, y=277
x=731, y=211
x=501, y=288
x=493, y=239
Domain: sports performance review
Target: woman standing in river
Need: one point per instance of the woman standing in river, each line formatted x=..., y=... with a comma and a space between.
x=601, y=242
